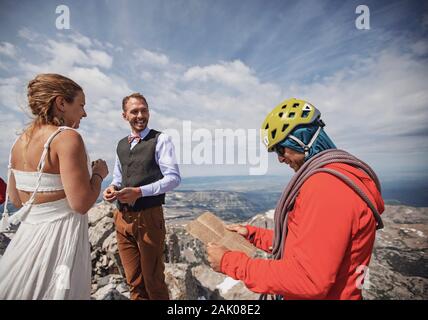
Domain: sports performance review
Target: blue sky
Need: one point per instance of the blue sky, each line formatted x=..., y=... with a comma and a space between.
x=225, y=64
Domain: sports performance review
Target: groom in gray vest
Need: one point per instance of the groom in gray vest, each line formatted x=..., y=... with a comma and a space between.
x=145, y=169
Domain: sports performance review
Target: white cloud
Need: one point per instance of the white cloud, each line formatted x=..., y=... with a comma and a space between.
x=81, y=40
x=235, y=74
x=11, y=124
x=100, y=58
x=28, y=34
x=65, y=54
x=151, y=58
x=383, y=95
x=8, y=49
x=62, y=56
x=420, y=47
x=99, y=84
x=12, y=94
x=228, y=93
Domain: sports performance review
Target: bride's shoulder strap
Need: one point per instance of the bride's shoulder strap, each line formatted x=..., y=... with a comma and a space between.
x=54, y=134
x=64, y=128
x=47, y=144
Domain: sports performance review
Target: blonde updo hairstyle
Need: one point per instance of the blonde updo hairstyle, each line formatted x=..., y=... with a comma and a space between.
x=42, y=92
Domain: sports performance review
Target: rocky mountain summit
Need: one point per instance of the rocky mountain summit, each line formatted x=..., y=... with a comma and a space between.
x=398, y=269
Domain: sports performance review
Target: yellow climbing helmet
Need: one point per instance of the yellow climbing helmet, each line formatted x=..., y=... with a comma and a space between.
x=284, y=118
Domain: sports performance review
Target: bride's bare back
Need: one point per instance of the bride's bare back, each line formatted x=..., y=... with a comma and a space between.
x=26, y=155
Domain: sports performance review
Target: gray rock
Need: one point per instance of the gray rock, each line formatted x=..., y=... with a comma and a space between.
x=109, y=292
x=100, y=231
x=398, y=268
x=99, y=211
x=216, y=286
x=181, y=284
x=102, y=236
x=111, y=287
x=110, y=249
x=264, y=220
x=172, y=248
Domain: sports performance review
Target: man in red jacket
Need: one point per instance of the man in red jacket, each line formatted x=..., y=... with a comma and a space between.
x=325, y=221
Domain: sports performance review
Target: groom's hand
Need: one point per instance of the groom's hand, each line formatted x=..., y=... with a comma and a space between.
x=108, y=194
x=128, y=195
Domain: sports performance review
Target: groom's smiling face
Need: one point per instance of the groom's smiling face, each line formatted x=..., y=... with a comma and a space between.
x=137, y=114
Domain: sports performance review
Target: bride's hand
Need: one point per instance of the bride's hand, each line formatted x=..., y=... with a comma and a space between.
x=100, y=167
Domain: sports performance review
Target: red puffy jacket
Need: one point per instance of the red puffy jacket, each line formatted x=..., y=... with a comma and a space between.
x=2, y=191
x=331, y=232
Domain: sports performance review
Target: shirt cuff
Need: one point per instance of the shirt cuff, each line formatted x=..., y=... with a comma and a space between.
x=223, y=267
x=231, y=261
x=251, y=233
x=147, y=190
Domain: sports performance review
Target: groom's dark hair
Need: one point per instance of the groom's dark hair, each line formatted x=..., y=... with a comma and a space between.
x=135, y=95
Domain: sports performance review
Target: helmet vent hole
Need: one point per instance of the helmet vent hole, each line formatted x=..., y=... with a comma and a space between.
x=305, y=114
x=267, y=126
x=284, y=106
x=273, y=133
x=291, y=114
x=295, y=105
x=281, y=114
x=284, y=127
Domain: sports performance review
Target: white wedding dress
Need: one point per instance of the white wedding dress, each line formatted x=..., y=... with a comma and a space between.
x=49, y=256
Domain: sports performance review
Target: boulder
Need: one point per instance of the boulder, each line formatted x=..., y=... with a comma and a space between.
x=217, y=286
x=111, y=287
x=181, y=284
x=109, y=247
x=398, y=266
x=100, y=231
x=99, y=211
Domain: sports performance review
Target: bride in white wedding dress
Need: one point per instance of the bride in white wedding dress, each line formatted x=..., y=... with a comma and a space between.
x=52, y=182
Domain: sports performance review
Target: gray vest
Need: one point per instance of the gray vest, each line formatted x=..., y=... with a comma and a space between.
x=139, y=168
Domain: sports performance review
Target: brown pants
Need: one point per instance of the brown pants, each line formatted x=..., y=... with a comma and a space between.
x=140, y=239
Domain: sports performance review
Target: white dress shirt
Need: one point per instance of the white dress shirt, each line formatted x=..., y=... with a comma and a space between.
x=167, y=162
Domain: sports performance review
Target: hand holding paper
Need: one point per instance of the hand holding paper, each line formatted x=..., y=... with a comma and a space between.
x=209, y=228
